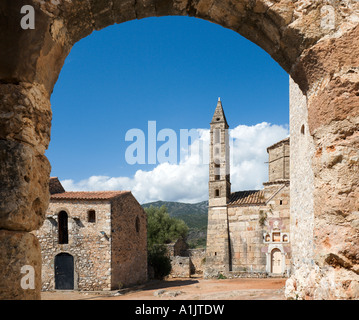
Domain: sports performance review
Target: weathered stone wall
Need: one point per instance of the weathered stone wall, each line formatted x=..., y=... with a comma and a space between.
x=129, y=242
x=20, y=249
x=246, y=238
x=324, y=246
x=249, y=227
x=302, y=184
x=180, y=267
x=108, y=253
x=217, y=248
x=177, y=248
x=198, y=260
x=279, y=160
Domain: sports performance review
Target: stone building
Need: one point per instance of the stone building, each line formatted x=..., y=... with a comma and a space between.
x=248, y=231
x=185, y=262
x=92, y=240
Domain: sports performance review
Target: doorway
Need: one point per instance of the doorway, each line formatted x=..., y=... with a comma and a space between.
x=276, y=259
x=64, y=271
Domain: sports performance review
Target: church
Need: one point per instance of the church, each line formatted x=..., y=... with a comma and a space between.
x=248, y=231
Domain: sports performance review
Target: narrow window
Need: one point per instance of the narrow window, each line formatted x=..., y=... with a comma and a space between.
x=216, y=193
x=63, y=228
x=280, y=202
x=217, y=136
x=216, y=177
x=137, y=224
x=91, y=216
x=302, y=129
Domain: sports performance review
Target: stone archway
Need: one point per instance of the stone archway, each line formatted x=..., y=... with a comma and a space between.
x=316, y=42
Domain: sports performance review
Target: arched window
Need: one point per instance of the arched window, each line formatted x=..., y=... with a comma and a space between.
x=63, y=227
x=91, y=216
x=217, y=137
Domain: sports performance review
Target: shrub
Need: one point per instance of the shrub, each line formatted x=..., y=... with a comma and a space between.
x=159, y=261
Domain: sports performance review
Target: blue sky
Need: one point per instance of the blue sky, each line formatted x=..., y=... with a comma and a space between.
x=170, y=70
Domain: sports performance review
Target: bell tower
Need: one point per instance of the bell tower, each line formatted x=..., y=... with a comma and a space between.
x=218, y=258
x=219, y=166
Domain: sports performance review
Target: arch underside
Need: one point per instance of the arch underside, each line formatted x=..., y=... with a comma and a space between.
x=275, y=26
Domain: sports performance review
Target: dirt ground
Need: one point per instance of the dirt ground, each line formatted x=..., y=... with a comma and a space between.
x=194, y=288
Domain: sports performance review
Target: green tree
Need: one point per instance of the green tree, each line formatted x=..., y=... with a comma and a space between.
x=162, y=229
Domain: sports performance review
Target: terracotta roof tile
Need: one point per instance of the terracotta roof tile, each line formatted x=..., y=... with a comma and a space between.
x=247, y=197
x=87, y=195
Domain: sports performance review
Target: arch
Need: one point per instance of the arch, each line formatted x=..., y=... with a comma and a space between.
x=63, y=233
x=60, y=25
x=318, y=47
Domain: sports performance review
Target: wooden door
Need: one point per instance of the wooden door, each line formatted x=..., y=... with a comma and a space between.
x=64, y=271
x=276, y=261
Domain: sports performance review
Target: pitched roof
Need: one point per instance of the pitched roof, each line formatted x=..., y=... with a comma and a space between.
x=247, y=197
x=88, y=195
x=219, y=115
x=55, y=186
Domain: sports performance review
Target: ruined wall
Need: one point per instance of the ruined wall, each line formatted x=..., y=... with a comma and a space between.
x=181, y=267
x=90, y=248
x=129, y=242
x=198, y=260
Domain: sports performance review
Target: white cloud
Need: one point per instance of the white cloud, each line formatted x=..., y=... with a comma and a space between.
x=187, y=181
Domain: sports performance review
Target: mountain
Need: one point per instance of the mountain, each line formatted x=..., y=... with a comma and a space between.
x=195, y=215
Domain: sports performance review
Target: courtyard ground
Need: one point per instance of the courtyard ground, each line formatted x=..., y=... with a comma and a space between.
x=194, y=288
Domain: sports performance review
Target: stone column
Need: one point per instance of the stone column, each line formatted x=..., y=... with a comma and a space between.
x=25, y=121
x=332, y=86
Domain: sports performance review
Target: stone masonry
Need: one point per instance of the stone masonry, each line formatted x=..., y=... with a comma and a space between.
x=316, y=42
x=248, y=231
x=109, y=248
